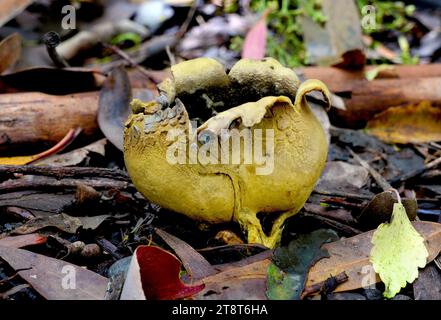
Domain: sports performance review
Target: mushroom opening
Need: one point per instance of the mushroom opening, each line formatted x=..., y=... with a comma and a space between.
x=205, y=94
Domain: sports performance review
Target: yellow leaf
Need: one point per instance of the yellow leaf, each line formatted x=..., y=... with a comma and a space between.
x=22, y=160
x=408, y=124
x=398, y=251
x=17, y=161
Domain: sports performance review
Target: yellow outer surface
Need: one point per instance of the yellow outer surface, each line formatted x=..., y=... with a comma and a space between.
x=223, y=192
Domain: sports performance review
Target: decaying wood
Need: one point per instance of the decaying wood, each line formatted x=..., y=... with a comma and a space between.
x=67, y=172
x=340, y=79
x=363, y=99
x=37, y=118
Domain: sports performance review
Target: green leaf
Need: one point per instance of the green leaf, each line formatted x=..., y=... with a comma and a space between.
x=398, y=251
x=287, y=274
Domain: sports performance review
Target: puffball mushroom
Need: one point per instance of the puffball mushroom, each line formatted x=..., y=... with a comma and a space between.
x=200, y=172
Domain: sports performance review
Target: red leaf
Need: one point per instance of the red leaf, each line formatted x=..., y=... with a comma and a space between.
x=23, y=241
x=159, y=271
x=254, y=46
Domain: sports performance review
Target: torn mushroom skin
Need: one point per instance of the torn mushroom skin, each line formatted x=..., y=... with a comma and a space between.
x=200, y=171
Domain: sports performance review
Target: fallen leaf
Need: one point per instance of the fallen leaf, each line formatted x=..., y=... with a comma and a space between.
x=228, y=237
x=37, y=202
x=74, y=157
x=409, y=124
x=115, y=97
x=56, y=81
x=154, y=275
x=114, y=101
x=50, y=277
x=380, y=208
x=244, y=282
x=340, y=41
x=61, y=221
x=344, y=175
x=348, y=255
x=22, y=160
x=10, y=51
x=428, y=284
x=371, y=74
x=254, y=46
x=351, y=255
x=11, y=8
x=398, y=251
x=195, y=264
x=287, y=276
x=23, y=241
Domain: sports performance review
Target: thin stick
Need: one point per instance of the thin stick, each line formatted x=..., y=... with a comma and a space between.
x=382, y=182
x=66, y=172
x=131, y=62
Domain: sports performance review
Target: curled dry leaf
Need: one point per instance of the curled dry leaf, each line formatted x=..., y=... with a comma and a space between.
x=154, y=274
x=10, y=51
x=48, y=276
x=415, y=123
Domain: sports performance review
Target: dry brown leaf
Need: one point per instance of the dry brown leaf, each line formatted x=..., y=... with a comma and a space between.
x=244, y=282
x=74, y=157
x=11, y=8
x=61, y=221
x=193, y=261
x=10, y=51
x=409, y=124
x=351, y=255
x=23, y=240
x=50, y=277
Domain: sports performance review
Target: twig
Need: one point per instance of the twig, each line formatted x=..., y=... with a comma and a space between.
x=342, y=194
x=66, y=172
x=184, y=27
x=14, y=275
x=41, y=182
x=145, y=50
x=109, y=247
x=131, y=62
x=382, y=182
x=334, y=224
x=417, y=172
x=326, y=286
x=52, y=40
x=14, y=290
